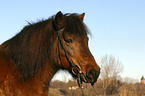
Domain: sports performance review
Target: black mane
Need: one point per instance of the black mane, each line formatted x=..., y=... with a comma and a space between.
x=31, y=48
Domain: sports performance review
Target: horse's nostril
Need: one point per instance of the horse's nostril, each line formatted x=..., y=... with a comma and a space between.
x=92, y=72
x=92, y=75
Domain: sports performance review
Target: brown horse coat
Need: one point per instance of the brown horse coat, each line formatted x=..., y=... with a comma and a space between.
x=29, y=60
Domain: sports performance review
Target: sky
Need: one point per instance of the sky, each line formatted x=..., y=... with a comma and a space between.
x=117, y=27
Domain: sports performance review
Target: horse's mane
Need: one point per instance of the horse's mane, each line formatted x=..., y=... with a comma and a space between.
x=30, y=49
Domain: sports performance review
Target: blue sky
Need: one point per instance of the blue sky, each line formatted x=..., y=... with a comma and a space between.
x=117, y=26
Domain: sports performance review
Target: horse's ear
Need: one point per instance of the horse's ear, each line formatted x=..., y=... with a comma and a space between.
x=82, y=16
x=59, y=21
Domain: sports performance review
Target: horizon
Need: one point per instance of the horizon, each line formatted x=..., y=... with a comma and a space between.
x=117, y=27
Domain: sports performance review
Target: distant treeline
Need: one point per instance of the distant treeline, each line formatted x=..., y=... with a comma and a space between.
x=115, y=88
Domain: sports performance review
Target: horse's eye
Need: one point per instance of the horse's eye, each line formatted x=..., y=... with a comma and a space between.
x=69, y=40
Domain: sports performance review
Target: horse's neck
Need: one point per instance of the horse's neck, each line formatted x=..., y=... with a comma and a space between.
x=38, y=85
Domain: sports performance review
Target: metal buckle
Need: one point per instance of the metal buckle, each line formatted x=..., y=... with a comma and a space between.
x=79, y=71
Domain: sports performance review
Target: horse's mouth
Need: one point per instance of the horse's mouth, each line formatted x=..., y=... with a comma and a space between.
x=90, y=77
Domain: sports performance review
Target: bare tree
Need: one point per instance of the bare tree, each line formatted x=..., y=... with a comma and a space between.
x=110, y=69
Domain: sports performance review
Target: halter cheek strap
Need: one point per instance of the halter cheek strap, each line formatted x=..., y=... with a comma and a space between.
x=72, y=65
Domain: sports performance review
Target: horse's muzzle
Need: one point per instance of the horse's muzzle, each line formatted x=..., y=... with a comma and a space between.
x=92, y=76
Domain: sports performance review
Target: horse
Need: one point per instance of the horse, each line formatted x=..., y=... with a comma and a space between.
x=29, y=60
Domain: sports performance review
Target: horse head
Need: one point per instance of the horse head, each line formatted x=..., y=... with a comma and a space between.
x=72, y=49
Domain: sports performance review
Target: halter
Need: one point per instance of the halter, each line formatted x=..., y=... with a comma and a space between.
x=72, y=65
